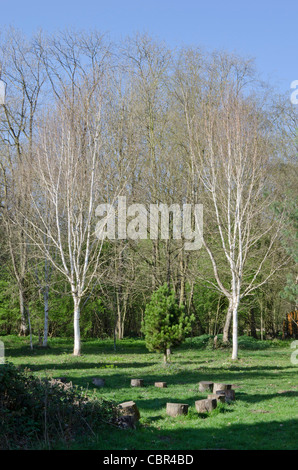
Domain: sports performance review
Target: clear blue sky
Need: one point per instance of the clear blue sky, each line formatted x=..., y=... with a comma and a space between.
x=266, y=30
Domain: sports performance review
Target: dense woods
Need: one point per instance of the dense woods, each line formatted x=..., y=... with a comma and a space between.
x=86, y=121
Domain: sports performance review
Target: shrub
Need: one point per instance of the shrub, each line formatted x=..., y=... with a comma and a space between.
x=37, y=411
x=198, y=342
x=166, y=323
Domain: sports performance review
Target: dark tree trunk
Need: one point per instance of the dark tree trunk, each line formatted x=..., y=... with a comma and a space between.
x=253, y=331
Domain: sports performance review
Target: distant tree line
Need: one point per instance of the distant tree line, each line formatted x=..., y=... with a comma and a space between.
x=87, y=120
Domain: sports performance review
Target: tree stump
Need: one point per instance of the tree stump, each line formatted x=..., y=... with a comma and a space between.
x=98, y=382
x=230, y=395
x=137, y=382
x=203, y=406
x=217, y=396
x=221, y=394
x=205, y=386
x=161, y=384
x=129, y=408
x=127, y=422
x=177, y=409
x=221, y=386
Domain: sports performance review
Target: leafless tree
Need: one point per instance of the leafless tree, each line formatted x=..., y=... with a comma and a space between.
x=22, y=69
x=230, y=143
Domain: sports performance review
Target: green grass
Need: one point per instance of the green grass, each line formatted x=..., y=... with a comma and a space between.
x=261, y=417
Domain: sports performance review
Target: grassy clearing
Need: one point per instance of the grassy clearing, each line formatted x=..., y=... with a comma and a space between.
x=264, y=416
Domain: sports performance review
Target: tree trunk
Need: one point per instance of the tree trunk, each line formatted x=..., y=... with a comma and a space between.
x=77, y=333
x=154, y=265
x=226, y=329
x=235, y=330
x=167, y=355
x=253, y=331
x=46, y=316
x=182, y=280
x=262, y=337
x=168, y=264
x=118, y=327
x=216, y=317
x=24, y=323
x=123, y=316
x=115, y=336
x=30, y=329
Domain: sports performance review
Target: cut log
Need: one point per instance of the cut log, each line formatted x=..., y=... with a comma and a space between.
x=127, y=422
x=137, y=382
x=129, y=408
x=221, y=386
x=230, y=395
x=203, y=406
x=98, y=382
x=218, y=396
x=177, y=409
x=161, y=384
x=220, y=393
x=205, y=386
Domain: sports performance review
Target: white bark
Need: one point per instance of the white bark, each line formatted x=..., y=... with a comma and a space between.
x=71, y=166
x=229, y=148
x=235, y=328
x=46, y=316
x=76, y=325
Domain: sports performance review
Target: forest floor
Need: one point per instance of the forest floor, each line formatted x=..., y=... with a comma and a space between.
x=264, y=415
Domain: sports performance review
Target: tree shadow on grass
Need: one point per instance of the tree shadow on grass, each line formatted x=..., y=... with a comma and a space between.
x=160, y=403
x=188, y=378
x=177, y=434
x=260, y=435
x=57, y=347
x=258, y=398
x=100, y=367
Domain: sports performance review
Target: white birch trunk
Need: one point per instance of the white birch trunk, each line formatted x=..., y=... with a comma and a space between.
x=235, y=330
x=76, y=325
x=226, y=329
x=46, y=316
